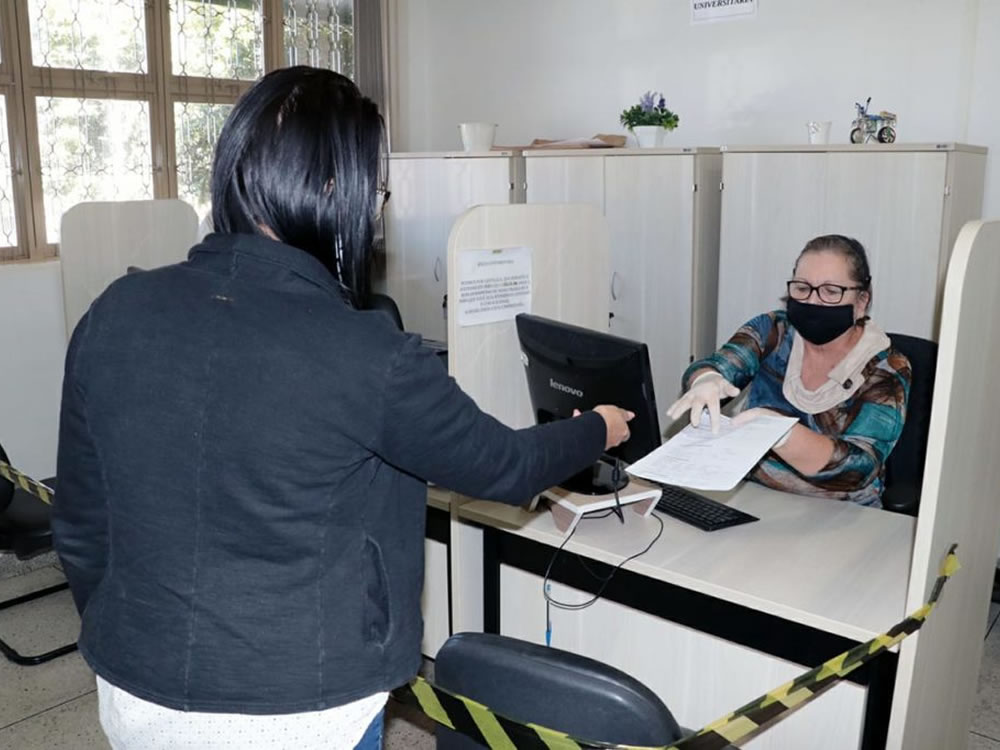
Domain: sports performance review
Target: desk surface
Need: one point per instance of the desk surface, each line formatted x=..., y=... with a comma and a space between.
x=438, y=498
x=831, y=565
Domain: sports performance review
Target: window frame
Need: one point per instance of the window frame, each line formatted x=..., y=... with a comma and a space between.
x=11, y=88
x=22, y=83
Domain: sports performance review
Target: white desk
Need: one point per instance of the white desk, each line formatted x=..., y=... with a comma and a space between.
x=710, y=620
x=438, y=498
x=705, y=614
x=834, y=566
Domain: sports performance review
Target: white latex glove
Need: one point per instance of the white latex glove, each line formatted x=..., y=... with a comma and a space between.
x=758, y=411
x=706, y=392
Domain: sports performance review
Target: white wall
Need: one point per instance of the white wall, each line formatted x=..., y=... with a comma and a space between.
x=564, y=68
x=99, y=241
x=32, y=350
x=560, y=68
x=984, y=105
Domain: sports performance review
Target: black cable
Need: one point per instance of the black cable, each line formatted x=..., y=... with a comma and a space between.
x=583, y=564
x=616, y=475
x=604, y=514
x=549, y=601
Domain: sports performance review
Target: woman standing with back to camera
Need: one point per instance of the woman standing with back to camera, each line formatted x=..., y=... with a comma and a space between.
x=243, y=453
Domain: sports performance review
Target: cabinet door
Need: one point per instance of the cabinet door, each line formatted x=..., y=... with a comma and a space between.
x=427, y=196
x=434, y=597
x=565, y=179
x=772, y=204
x=699, y=676
x=892, y=203
x=648, y=206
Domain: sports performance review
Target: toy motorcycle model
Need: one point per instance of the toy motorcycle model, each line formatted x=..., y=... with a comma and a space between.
x=868, y=127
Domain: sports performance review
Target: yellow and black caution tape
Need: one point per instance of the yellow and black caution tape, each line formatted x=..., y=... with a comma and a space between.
x=26, y=483
x=499, y=732
x=769, y=707
x=502, y=733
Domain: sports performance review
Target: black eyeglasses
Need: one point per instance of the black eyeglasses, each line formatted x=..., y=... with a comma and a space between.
x=831, y=294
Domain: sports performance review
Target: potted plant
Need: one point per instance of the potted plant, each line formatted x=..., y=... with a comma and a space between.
x=649, y=119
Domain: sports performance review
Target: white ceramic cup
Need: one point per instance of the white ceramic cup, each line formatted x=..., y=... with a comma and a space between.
x=477, y=136
x=819, y=131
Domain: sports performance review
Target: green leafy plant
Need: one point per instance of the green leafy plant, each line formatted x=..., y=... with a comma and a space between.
x=651, y=110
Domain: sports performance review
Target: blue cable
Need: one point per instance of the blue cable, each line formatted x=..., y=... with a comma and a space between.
x=548, y=617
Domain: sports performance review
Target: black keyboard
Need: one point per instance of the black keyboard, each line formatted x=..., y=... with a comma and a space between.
x=700, y=511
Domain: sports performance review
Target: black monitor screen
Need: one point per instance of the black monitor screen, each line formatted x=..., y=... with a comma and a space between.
x=569, y=367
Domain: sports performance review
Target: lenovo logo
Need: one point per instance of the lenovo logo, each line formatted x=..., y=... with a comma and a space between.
x=565, y=388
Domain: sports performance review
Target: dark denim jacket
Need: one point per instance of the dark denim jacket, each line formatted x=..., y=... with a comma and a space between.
x=242, y=466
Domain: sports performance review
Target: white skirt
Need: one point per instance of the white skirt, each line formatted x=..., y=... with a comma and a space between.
x=132, y=723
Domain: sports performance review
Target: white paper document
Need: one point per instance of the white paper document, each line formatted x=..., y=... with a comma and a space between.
x=493, y=285
x=696, y=458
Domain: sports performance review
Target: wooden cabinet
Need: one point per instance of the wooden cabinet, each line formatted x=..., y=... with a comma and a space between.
x=428, y=192
x=904, y=203
x=661, y=207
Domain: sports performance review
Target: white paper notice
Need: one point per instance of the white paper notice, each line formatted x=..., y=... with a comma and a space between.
x=706, y=11
x=493, y=285
x=696, y=458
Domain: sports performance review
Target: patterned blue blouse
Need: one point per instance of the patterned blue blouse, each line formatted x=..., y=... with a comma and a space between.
x=864, y=428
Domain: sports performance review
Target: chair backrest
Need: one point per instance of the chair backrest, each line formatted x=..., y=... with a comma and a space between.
x=6, y=488
x=386, y=304
x=904, y=469
x=551, y=688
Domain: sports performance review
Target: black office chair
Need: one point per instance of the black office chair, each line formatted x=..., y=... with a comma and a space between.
x=904, y=469
x=551, y=688
x=25, y=531
x=386, y=304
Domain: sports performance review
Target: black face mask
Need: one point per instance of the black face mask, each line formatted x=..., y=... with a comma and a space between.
x=820, y=324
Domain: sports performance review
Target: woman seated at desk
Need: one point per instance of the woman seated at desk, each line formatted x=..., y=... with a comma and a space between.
x=821, y=360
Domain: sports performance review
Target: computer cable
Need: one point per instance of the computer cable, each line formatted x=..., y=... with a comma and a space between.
x=605, y=580
x=616, y=475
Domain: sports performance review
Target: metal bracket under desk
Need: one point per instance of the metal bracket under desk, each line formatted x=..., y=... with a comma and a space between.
x=438, y=525
x=747, y=627
x=438, y=528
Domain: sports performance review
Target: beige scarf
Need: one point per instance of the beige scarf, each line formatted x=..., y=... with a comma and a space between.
x=842, y=382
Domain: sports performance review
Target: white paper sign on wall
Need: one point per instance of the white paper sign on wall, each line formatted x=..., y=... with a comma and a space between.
x=493, y=285
x=707, y=11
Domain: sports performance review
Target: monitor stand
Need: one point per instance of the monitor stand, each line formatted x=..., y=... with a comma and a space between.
x=569, y=507
x=597, y=479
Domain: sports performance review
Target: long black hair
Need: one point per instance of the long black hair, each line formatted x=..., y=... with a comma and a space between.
x=300, y=158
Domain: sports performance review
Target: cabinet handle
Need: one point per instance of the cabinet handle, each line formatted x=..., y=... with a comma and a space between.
x=437, y=269
x=614, y=290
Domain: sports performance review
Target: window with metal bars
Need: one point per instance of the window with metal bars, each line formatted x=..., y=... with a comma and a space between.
x=124, y=99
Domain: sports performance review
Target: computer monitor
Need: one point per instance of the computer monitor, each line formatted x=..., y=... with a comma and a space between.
x=569, y=367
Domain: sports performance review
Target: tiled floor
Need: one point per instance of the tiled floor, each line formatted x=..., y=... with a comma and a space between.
x=54, y=705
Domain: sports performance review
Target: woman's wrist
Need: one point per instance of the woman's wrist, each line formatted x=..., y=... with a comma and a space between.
x=805, y=450
x=700, y=374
